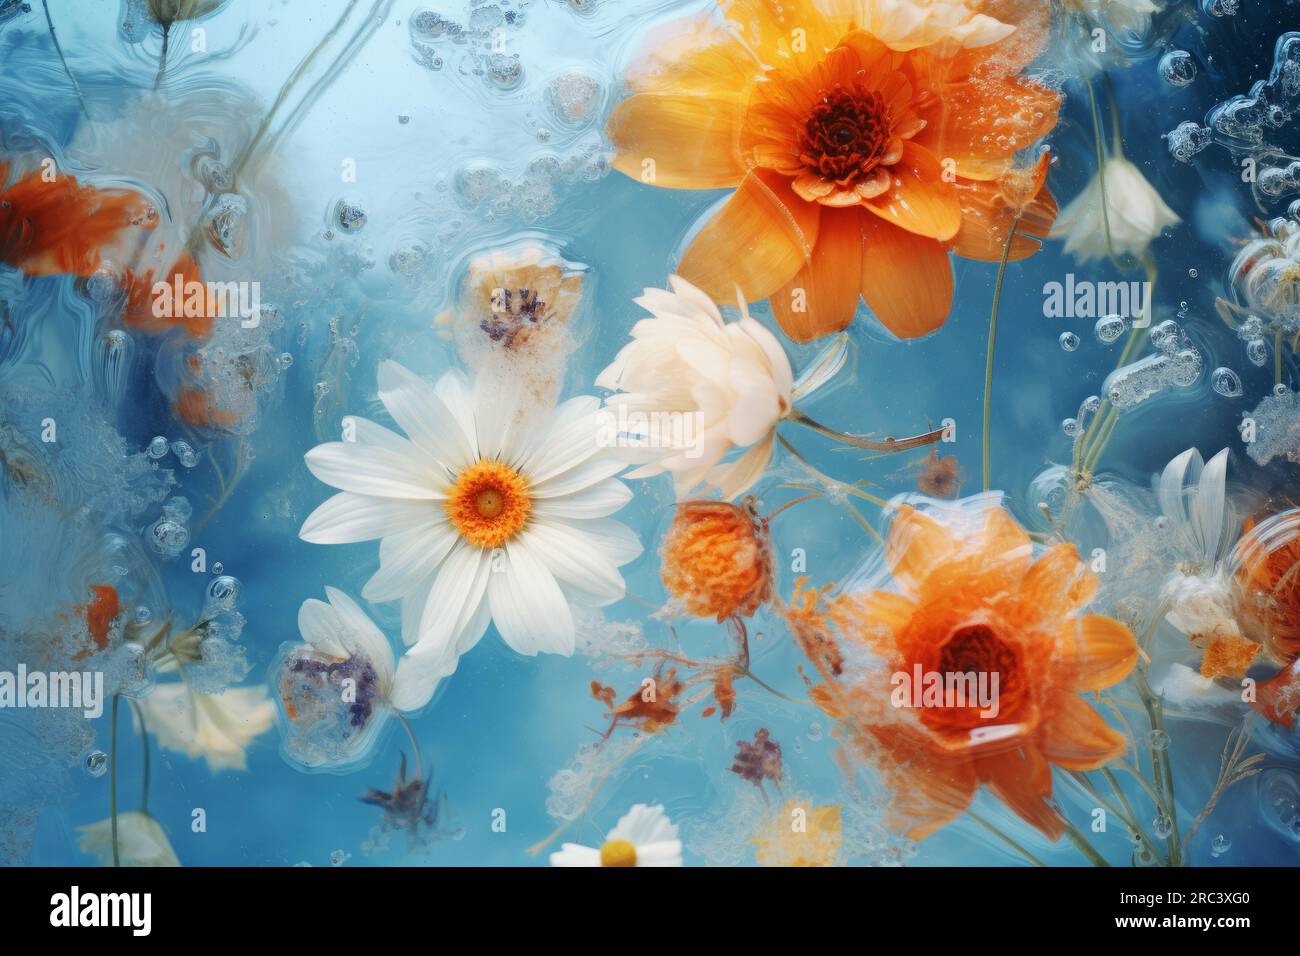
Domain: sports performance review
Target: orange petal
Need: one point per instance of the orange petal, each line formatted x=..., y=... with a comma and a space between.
x=692, y=55
x=906, y=279
x=679, y=141
x=918, y=199
x=1003, y=540
x=767, y=27
x=757, y=241
x=1229, y=655
x=983, y=122
x=1075, y=737
x=1059, y=582
x=1022, y=779
x=929, y=790
x=60, y=227
x=1106, y=652
x=992, y=210
x=916, y=545
x=873, y=617
x=1278, y=697
x=826, y=288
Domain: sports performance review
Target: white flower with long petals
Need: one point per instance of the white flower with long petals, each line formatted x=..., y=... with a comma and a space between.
x=140, y=841
x=1198, y=596
x=730, y=383
x=1134, y=214
x=339, y=687
x=479, y=521
x=216, y=727
x=644, y=837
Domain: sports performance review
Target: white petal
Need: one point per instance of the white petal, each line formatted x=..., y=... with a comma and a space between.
x=360, y=636
x=590, y=472
x=528, y=607
x=577, y=561
x=417, y=677
x=661, y=853
x=371, y=470
x=318, y=623
x=735, y=477
x=573, y=854
x=415, y=405
x=347, y=518
x=1209, y=505
x=458, y=590
x=597, y=501
x=409, y=557
x=570, y=437
x=454, y=391
x=644, y=824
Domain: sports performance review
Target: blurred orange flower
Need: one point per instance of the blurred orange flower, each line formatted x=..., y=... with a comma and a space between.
x=58, y=226
x=861, y=153
x=973, y=600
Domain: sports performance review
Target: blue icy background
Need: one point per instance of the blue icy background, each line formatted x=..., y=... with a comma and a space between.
x=504, y=724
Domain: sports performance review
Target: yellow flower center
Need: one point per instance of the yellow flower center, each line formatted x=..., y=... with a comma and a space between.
x=617, y=853
x=488, y=504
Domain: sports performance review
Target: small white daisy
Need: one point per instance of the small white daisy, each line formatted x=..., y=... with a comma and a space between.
x=644, y=837
x=480, y=520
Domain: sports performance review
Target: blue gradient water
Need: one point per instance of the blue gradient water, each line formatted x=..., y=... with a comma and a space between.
x=503, y=724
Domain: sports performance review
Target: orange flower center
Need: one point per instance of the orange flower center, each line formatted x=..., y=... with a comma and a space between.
x=845, y=134
x=977, y=649
x=617, y=853
x=488, y=504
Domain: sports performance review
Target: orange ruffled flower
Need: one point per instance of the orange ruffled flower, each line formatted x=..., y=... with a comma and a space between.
x=59, y=227
x=858, y=163
x=717, y=559
x=974, y=600
x=1267, y=584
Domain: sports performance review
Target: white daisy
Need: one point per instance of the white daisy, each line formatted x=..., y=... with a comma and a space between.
x=644, y=837
x=478, y=521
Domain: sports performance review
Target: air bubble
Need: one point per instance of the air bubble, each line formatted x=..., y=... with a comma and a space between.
x=1069, y=341
x=1225, y=382
x=97, y=763
x=1177, y=68
x=1109, y=328
x=158, y=447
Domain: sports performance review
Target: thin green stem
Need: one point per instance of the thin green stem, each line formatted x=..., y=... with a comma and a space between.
x=1083, y=845
x=415, y=744
x=162, y=57
x=144, y=746
x=112, y=776
x=58, y=48
x=993, y=337
x=997, y=832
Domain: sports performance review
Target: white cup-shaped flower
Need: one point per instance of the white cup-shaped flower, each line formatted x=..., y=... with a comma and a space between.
x=1119, y=213
x=694, y=388
x=336, y=690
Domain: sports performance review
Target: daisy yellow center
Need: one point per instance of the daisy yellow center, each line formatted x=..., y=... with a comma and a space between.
x=488, y=504
x=617, y=853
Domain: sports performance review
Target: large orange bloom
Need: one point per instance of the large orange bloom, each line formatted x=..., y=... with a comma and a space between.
x=859, y=159
x=974, y=600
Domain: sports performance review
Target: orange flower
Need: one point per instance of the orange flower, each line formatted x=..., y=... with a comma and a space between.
x=139, y=312
x=973, y=600
x=859, y=159
x=1267, y=584
x=59, y=226
x=717, y=559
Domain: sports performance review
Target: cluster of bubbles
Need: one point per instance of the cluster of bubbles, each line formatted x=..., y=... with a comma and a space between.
x=1176, y=363
x=1245, y=124
x=476, y=43
x=1275, y=432
x=223, y=660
